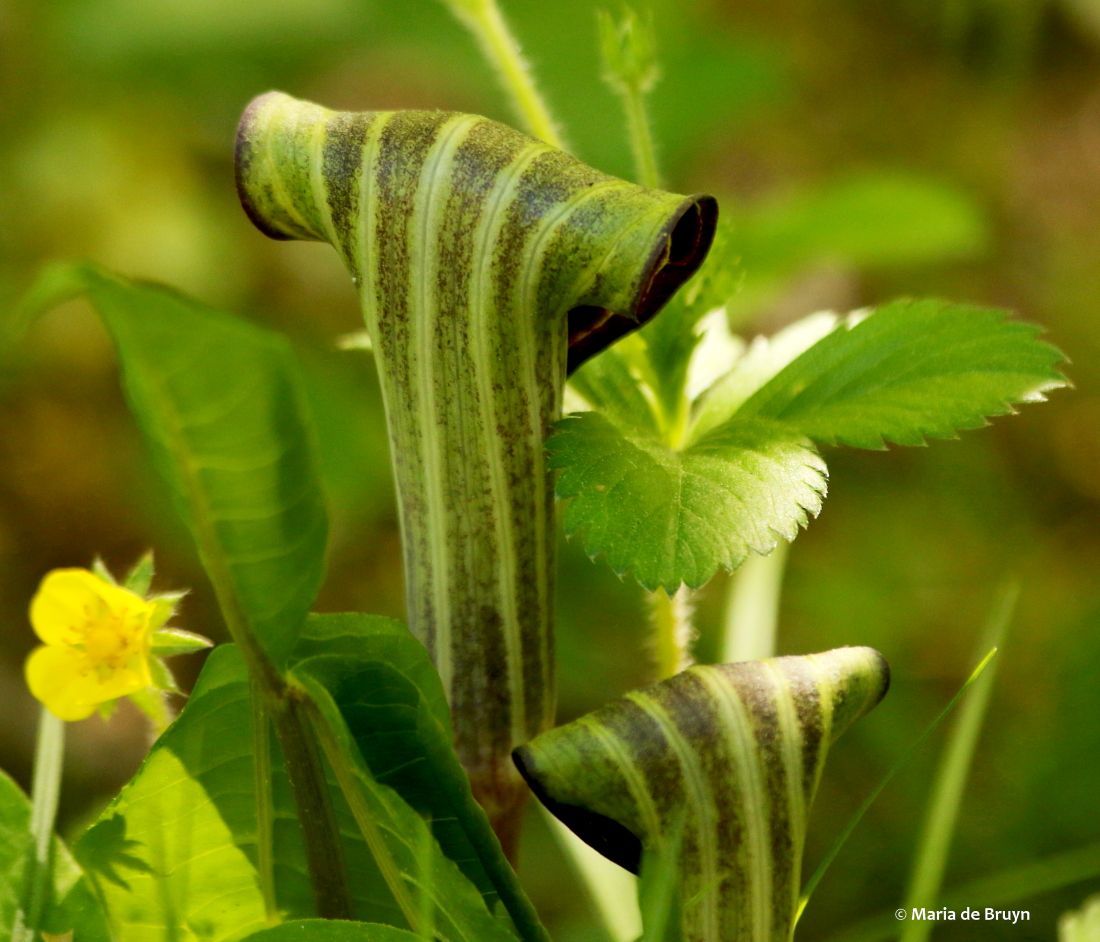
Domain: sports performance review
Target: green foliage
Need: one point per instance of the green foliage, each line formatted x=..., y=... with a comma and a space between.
x=71, y=906
x=221, y=406
x=140, y=577
x=911, y=369
x=433, y=896
x=391, y=698
x=673, y=494
x=659, y=893
x=629, y=52
x=328, y=930
x=176, y=850
x=673, y=516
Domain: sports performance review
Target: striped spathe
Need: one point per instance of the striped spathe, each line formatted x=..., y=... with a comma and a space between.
x=487, y=264
x=723, y=760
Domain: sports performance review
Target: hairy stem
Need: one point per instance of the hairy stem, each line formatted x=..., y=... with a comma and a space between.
x=49, y=758
x=954, y=770
x=673, y=631
x=752, y=608
x=485, y=21
x=641, y=138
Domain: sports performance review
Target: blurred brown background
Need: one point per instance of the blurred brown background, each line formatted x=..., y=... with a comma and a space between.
x=863, y=148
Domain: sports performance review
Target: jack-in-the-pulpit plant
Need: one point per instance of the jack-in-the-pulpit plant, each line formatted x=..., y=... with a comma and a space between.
x=487, y=264
x=340, y=778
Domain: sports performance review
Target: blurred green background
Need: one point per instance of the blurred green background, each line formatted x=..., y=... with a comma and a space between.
x=863, y=149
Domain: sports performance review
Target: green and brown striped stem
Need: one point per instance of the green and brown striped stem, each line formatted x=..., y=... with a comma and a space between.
x=724, y=760
x=486, y=263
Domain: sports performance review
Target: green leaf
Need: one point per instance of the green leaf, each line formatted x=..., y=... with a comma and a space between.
x=221, y=406
x=390, y=695
x=331, y=930
x=763, y=359
x=614, y=384
x=176, y=851
x=186, y=845
x=676, y=516
x=910, y=369
x=429, y=888
x=168, y=642
x=875, y=219
x=659, y=892
x=70, y=906
x=671, y=337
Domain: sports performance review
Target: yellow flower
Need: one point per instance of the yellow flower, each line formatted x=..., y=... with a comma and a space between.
x=98, y=640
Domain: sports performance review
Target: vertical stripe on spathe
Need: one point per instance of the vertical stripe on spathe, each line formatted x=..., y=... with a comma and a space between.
x=487, y=264
x=725, y=761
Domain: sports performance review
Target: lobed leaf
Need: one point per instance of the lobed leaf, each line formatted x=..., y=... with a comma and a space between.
x=221, y=405
x=675, y=516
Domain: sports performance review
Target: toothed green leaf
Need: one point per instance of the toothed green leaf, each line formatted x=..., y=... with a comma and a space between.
x=675, y=516
x=910, y=370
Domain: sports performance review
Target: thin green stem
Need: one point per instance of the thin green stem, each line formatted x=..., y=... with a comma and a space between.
x=822, y=867
x=316, y=813
x=946, y=798
x=641, y=138
x=752, y=608
x=673, y=629
x=265, y=802
x=49, y=757
x=484, y=19
x=361, y=811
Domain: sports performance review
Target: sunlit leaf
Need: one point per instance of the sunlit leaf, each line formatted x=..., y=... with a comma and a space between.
x=221, y=406
x=71, y=906
x=428, y=888
x=390, y=695
x=181, y=835
x=331, y=930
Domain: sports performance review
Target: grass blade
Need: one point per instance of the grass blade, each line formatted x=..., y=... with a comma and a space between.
x=1007, y=886
x=946, y=797
x=814, y=880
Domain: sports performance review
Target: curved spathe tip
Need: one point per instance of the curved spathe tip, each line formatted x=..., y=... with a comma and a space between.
x=730, y=753
x=678, y=252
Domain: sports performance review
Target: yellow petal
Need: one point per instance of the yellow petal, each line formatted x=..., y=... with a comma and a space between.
x=68, y=598
x=63, y=680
